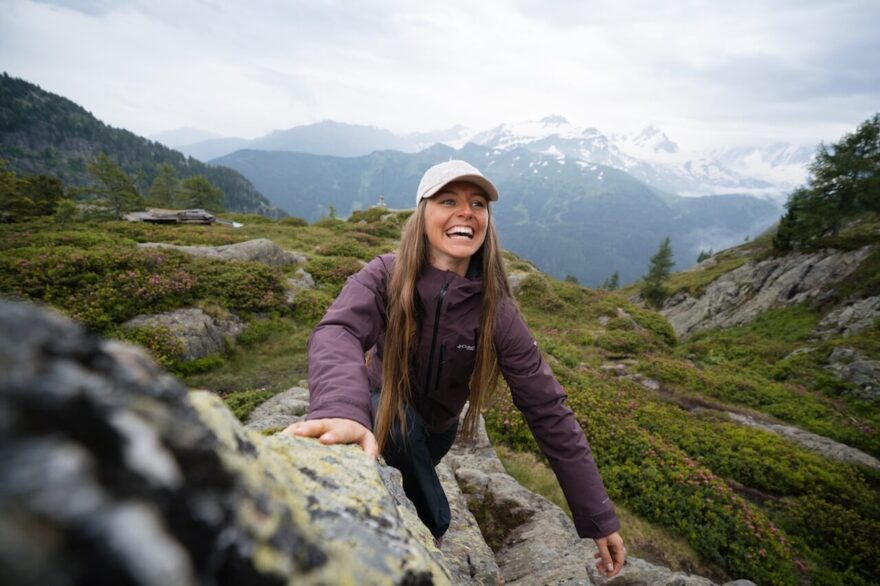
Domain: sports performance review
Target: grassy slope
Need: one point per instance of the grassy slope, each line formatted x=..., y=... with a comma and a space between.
x=749, y=503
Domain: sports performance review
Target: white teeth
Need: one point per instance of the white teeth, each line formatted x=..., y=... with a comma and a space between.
x=461, y=231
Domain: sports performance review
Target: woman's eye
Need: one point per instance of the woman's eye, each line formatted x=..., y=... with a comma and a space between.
x=478, y=204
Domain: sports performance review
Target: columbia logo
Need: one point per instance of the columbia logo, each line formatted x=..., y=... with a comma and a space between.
x=466, y=347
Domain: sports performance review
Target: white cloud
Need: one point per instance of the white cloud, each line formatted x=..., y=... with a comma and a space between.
x=706, y=73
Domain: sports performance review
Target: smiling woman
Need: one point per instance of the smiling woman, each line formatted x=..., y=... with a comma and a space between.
x=439, y=326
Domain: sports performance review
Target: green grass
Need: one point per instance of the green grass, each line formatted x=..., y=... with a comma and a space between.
x=273, y=363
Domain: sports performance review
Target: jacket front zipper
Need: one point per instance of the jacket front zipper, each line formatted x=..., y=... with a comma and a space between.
x=434, y=335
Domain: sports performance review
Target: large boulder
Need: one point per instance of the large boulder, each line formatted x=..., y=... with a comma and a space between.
x=466, y=555
x=198, y=333
x=737, y=297
x=112, y=473
x=259, y=250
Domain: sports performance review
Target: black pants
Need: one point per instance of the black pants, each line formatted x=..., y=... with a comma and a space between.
x=416, y=456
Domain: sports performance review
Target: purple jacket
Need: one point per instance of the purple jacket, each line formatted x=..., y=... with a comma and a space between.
x=340, y=381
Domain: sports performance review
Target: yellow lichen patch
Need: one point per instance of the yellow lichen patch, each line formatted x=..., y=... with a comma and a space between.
x=254, y=468
x=332, y=495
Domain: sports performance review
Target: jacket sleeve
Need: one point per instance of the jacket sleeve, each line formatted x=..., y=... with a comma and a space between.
x=338, y=383
x=540, y=398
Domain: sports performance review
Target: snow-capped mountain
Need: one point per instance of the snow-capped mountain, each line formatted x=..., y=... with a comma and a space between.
x=650, y=156
x=782, y=164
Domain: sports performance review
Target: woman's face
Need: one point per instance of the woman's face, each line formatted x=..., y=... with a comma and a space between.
x=456, y=218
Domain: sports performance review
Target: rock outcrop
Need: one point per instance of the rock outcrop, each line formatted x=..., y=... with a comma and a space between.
x=198, y=333
x=259, y=250
x=851, y=366
x=738, y=296
x=112, y=473
x=850, y=318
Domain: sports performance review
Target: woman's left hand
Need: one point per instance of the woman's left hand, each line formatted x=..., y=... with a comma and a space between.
x=611, y=556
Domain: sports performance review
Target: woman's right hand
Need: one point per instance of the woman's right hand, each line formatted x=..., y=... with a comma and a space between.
x=337, y=431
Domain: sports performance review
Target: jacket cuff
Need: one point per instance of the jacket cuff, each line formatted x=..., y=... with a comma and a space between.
x=599, y=525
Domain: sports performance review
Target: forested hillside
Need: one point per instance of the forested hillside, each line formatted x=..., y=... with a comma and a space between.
x=42, y=133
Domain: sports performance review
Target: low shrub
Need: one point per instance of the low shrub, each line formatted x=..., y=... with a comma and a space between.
x=332, y=272
x=165, y=348
x=293, y=221
x=242, y=403
x=309, y=306
x=241, y=286
x=199, y=365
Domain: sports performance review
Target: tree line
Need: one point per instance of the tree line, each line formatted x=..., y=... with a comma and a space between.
x=113, y=191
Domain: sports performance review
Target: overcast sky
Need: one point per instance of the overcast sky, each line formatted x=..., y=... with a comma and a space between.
x=711, y=73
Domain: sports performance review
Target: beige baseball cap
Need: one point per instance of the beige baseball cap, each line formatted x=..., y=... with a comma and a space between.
x=439, y=175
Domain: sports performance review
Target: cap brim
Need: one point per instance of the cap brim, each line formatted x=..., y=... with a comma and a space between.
x=479, y=180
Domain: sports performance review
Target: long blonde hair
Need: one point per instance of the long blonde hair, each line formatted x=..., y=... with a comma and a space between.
x=401, y=332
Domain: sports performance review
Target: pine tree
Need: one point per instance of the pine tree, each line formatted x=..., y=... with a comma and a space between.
x=115, y=188
x=611, y=283
x=653, y=287
x=165, y=189
x=844, y=181
x=198, y=192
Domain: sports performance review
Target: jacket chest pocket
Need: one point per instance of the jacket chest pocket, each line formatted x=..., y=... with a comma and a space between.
x=455, y=365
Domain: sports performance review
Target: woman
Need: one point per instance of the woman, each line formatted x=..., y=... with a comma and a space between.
x=422, y=317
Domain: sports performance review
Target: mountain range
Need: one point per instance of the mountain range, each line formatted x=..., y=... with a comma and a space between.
x=568, y=216
x=650, y=155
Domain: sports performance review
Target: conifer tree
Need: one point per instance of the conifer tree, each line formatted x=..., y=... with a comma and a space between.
x=198, y=192
x=115, y=188
x=165, y=189
x=654, y=288
x=844, y=181
x=612, y=282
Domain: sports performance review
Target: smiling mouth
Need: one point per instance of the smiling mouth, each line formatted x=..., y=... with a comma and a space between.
x=461, y=232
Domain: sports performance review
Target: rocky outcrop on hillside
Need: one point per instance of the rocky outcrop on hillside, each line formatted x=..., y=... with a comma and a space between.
x=738, y=296
x=198, y=333
x=258, y=250
x=851, y=366
x=850, y=318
